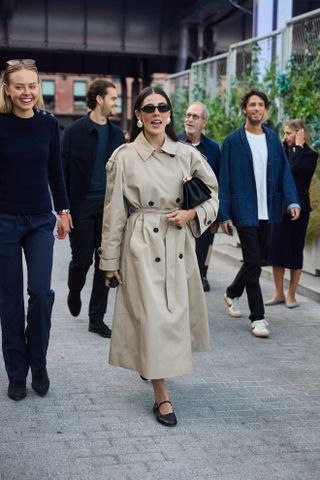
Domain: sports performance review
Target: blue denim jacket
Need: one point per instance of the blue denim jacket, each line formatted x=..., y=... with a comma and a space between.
x=237, y=187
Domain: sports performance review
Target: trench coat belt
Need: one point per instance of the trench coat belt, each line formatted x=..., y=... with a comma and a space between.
x=170, y=252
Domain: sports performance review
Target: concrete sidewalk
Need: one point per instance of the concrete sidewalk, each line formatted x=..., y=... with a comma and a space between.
x=250, y=411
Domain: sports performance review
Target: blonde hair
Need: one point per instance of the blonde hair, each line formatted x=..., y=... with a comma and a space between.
x=6, y=105
x=297, y=124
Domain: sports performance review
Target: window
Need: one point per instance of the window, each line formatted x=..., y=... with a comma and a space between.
x=79, y=94
x=48, y=91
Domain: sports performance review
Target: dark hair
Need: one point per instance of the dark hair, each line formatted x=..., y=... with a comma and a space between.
x=97, y=87
x=134, y=130
x=253, y=92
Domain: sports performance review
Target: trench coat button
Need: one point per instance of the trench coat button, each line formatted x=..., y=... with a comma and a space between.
x=156, y=230
x=180, y=255
x=157, y=259
x=209, y=222
x=171, y=155
x=151, y=203
x=178, y=200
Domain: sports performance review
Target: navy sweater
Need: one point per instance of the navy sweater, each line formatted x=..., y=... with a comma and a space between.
x=30, y=165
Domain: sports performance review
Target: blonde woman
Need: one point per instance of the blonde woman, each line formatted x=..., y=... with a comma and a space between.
x=30, y=169
x=288, y=237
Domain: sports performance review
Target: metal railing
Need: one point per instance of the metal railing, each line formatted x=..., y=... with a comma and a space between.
x=208, y=77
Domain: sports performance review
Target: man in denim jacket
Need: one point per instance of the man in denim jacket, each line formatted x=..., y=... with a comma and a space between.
x=254, y=182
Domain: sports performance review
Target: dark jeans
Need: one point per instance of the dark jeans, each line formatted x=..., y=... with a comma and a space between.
x=203, y=245
x=23, y=347
x=85, y=240
x=255, y=243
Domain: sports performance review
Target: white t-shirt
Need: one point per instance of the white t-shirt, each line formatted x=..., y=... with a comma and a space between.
x=258, y=146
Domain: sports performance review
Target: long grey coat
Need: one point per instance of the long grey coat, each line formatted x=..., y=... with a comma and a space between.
x=160, y=314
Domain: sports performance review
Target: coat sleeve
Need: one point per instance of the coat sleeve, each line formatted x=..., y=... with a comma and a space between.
x=206, y=211
x=288, y=183
x=115, y=214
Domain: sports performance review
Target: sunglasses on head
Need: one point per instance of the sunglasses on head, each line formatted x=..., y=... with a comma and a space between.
x=149, y=108
x=18, y=61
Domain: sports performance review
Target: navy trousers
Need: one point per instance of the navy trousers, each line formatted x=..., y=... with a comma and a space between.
x=25, y=338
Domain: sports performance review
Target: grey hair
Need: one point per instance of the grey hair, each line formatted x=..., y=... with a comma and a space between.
x=204, y=107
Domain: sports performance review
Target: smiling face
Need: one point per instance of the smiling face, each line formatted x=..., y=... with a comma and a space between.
x=23, y=89
x=154, y=123
x=255, y=110
x=108, y=103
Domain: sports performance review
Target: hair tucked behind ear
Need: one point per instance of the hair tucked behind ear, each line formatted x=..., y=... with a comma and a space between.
x=297, y=124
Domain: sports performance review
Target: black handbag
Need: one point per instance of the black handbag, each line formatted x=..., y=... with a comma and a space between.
x=195, y=192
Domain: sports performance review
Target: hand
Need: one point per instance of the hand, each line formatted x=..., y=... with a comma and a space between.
x=181, y=217
x=214, y=227
x=111, y=274
x=227, y=227
x=64, y=226
x=295, y=213
x=300, y=140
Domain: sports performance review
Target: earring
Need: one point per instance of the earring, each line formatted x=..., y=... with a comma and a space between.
x=168, y=121
x=139, y=123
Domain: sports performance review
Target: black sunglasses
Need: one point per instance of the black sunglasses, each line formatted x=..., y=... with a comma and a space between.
x=18, y=61
x=149, y=108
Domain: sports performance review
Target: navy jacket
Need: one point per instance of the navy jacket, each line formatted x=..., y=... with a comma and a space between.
x=210, y=149
x=237, y=187
x=78, y=149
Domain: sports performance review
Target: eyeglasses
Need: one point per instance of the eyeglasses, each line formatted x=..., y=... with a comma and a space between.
x=149, y=108
x=194, y=116
x=18, y=61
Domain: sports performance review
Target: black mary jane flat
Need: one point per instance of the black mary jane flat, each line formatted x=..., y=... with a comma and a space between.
x=168, y=419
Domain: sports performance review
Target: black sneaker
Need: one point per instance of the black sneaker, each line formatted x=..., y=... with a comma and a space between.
x=101, y=329
x=40, y=380
x=17, y=391
x=74, y=303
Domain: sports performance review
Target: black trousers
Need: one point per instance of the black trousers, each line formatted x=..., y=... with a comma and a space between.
x=25, y=332
x=203, y=246
x=85, y=240
x=255, y=242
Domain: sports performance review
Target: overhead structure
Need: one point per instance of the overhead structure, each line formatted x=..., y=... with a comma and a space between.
x=119, y=37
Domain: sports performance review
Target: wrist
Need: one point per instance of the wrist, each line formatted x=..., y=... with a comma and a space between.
x=64, y=213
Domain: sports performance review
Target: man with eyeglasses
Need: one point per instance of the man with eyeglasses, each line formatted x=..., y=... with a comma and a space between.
x=87, y=145
x=196, y=119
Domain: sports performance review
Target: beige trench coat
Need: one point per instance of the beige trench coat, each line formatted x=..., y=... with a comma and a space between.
x=160, y=313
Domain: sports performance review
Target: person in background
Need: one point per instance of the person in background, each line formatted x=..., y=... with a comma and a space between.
x=254, y=180
x=196, y=119
x=160, y=314
x=287, y=243
x=87, y=145
x=30, y=169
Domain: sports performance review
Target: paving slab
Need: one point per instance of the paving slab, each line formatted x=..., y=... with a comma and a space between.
x=250, y=410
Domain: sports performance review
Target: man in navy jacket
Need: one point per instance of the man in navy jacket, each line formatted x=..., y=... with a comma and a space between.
x=196, y=119
x=87, y=145
x=254, y=182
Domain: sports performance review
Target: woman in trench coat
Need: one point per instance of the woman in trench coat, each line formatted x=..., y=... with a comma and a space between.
x=148, y=246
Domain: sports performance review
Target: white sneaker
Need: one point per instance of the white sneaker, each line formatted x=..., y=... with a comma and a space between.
x=259, y=328
x=233, y=308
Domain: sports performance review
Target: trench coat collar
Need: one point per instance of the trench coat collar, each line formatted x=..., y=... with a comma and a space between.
x=145, y=150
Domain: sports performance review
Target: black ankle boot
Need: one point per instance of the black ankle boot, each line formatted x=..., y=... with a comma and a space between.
x=40, y=380
x=17, y=391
